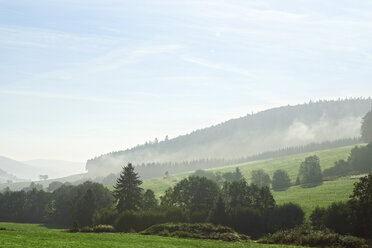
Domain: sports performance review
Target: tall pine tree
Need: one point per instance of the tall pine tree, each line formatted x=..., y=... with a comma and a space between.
x=127, y=192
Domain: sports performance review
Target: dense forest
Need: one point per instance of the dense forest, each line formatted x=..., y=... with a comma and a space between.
x=250, y=136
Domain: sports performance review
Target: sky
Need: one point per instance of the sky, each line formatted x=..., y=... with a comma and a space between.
x=85, y=77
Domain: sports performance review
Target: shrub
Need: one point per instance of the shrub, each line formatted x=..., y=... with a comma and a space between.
x=284, y=217
x=105, y=216
x=340, y=168
x=280, y=180
x=307, y=237
x=197, y=231
x=248, y=221
x=130, y=221
x=175, y=215
x=98, y=229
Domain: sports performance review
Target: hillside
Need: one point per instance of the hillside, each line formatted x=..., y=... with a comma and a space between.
x=269, y=130
x=18, y=169
x=31, y=169
x=56, y=168
x=307, y=198
x=6, y=177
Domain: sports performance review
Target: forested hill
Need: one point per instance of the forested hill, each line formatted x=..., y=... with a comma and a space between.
x=268, y=130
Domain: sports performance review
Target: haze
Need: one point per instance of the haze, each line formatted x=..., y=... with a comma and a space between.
x=83, y=78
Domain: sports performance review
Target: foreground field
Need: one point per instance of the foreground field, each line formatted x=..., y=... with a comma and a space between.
x=38, y=236
x=307, y=198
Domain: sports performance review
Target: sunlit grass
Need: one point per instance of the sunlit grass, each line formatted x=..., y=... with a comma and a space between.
x=38, y=236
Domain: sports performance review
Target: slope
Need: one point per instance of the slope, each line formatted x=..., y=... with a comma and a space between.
x=272, y=129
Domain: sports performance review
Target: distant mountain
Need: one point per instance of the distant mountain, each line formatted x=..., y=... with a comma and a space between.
x=269, y=130
x=31, y=169
x=18, y=169
x=56, y=168
x=6, y=177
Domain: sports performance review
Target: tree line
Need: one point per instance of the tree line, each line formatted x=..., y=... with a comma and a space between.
x=248, y=128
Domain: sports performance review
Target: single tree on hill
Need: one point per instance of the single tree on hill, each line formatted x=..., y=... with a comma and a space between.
x=127, y=192
x=280, y=180
x=366, y=129
x=310, y=171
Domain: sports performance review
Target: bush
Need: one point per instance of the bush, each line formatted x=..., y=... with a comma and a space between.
x=105, y=216
x=248, y=221
x=307, y=237
x=197, y=231
x=130, y=221
x=281, y=180
x=286, y=216
x=340, y=168
x=98, y=229
x=175, y=215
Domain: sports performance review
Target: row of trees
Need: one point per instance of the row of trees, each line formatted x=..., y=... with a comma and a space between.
x=247, y=208
x=352, y=217
x=158, y=169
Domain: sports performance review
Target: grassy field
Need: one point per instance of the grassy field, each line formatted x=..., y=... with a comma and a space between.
x=322, y=195
x=307, y=198
x=39, y=236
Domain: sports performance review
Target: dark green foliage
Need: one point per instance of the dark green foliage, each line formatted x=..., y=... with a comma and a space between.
x=360, y=158
x=219, y=214
x=195, y=195
x=130, y=221
x=249, y=221
x=256, y=222
x=33, y=186
x=127, y=192
x=54, y=185
x=280, y=180
x=310, y=172
x=240, y=194
x=176, y=215
x=353, y=217
x=366, y=129
x=149, y=201
x=78, y=203
x=235, y=176
x=261, y=178
x=284, y=217
x=361, y=205
x=338, y=218
x=307, y=237
x=197, y=231
x=359, y=161
x=340, y=168
x=98, y=229
x=21, y=206
x=317, y=218
x=217, y=178
x=105, y=216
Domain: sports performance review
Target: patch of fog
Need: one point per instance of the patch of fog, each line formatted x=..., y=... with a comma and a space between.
x=244, y=144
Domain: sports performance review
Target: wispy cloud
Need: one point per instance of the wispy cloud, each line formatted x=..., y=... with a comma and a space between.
x=65, y=96
x=221, y=67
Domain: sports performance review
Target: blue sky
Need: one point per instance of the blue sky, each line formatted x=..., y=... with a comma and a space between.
x=85, y=77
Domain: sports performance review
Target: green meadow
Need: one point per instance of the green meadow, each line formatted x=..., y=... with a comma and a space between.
x=307, y=198
x=39, y=236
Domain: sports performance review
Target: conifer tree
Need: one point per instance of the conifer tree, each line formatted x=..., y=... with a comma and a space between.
x=127, y=192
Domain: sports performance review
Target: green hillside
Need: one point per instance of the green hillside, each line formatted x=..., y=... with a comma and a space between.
x=38, y=236
x=308, y=198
